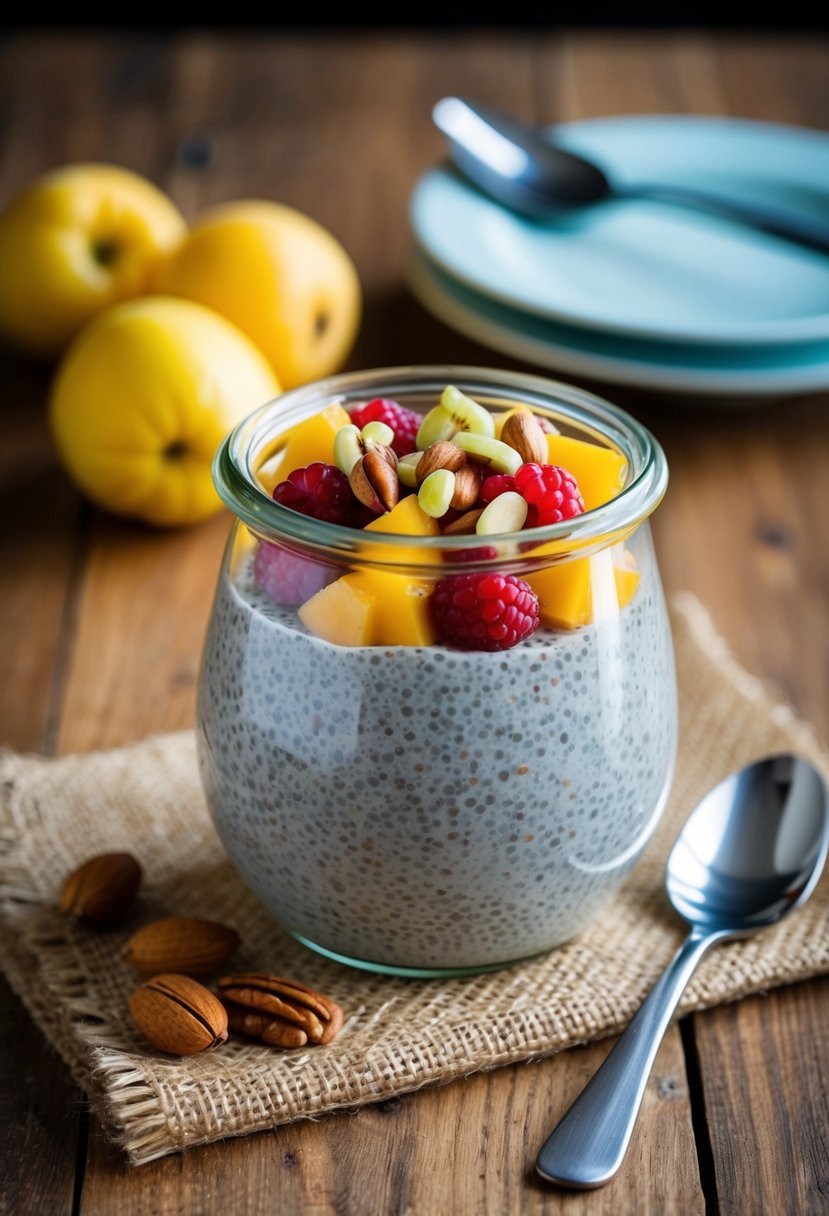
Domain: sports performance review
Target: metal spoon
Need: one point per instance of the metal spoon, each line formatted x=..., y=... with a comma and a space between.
x=517, y=165
x=751, y=851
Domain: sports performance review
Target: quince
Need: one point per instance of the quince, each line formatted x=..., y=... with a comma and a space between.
x=76, y=241
x=144, y=397
x=281, y=277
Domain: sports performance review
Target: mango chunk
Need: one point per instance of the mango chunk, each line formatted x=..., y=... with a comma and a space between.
x=307, y=442
x=342, y=613
x=408, y=519
x=577, y=592
x=600, y=472
x=402, y=616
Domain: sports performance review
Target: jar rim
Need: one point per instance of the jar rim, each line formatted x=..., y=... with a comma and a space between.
x=234, y=474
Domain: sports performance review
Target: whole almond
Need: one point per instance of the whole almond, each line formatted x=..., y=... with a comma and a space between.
x=183, y=944
x=464, y=525
x=178, y=1015
x=523, y=432
x=373, y=479
x=468, y=482
x=103, y=889
x=440, y=455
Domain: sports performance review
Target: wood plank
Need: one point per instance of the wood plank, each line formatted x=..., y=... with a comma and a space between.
x=466, y=1148
x=764, y=1064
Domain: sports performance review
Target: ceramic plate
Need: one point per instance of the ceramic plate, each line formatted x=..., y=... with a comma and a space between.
x=676, y=367
x=650, y=270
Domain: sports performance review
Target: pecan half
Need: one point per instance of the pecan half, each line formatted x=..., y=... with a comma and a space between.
x=279, y=1011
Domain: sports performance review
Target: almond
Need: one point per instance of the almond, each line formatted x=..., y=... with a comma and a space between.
x=468, y=482
x=373, y=479
x=465, y=524
x=182, y=944
x=440, y=455
x=103, y=889
x=178, y=1015
x=523, y=432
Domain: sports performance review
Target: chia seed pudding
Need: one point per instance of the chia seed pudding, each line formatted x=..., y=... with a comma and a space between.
x=426, y=808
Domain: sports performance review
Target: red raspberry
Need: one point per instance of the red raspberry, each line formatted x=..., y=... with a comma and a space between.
x=499, y=483
x=552, y=493
x=321, y=490
x=403, y=422
x=484, y=611
x=288, y=578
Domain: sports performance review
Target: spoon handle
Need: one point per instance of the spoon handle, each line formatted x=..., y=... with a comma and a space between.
x=588, y=1145
x=797, y=229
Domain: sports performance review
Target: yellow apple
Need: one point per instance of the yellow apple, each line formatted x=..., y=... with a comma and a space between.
x=281, y=277
x=76, y=241
x=144, y=397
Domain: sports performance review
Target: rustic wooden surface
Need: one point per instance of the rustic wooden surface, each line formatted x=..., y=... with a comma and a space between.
x=736, y=1117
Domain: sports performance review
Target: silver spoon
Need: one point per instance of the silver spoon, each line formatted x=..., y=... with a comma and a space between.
x=518, y=166
x=751, y=851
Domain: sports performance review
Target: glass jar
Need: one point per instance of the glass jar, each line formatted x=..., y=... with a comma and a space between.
x=418, y=809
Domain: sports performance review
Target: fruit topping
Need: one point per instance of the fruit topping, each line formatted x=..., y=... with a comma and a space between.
x=484, y=611
x=455, y=414
x=551, y=492
x=320, y=490
x=436, y=493
x=499, y=483
x=403, y=422
x=289, y=578
x=499, y=456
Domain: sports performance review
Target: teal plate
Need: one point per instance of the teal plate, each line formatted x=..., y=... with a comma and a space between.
x=747, y=371
x=643, y=269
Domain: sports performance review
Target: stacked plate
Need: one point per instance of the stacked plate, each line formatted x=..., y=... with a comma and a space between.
x=641, y=292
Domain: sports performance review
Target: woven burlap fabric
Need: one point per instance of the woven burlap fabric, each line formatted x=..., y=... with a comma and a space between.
x=399, y=1034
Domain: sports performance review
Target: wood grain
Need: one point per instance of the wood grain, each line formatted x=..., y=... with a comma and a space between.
x=103, y=621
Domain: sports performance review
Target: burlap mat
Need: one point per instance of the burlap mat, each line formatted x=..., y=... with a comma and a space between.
x=399, y=1034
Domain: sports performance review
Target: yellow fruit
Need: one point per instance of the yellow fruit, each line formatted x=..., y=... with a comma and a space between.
x=307, y=442
x=599, y=472
x=341, y=613
x=577, y=592
x=281, y=277
x=76, y=241
x=144, y=397
x=378, y=607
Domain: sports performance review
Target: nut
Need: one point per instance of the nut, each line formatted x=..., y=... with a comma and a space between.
x=183, y=944
x=178, y=1015
x=103, y=889
x=523, y=432
x=464, y=525
x=506, y=513
x=468, y=482
x=373, y=478
x=282, y=1012
x=440, y=455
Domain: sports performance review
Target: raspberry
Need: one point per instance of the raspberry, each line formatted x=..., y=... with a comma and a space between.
x=403, y=422
x=321, y=490
x=552, y=493
x=288, y=578
x=484, y=611
x=497, y=484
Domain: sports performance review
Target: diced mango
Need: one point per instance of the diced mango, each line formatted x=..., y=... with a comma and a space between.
x=600, y=472
x=401, y=608
x=575, y=593
x=306, y=442
x=408, y=519
x=342, y=613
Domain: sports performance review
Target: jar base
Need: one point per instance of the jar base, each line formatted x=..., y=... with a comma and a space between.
x=414, y=973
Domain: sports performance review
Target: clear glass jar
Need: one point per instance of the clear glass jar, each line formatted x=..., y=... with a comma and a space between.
x=417, y=809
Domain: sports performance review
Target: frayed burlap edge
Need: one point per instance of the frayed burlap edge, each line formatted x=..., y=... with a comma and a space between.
x=153, y=1106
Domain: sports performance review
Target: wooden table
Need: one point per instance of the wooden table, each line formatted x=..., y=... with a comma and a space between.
x=736, y=1117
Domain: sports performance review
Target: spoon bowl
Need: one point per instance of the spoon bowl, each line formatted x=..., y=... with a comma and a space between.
x=751, y=852
x=516, y=164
